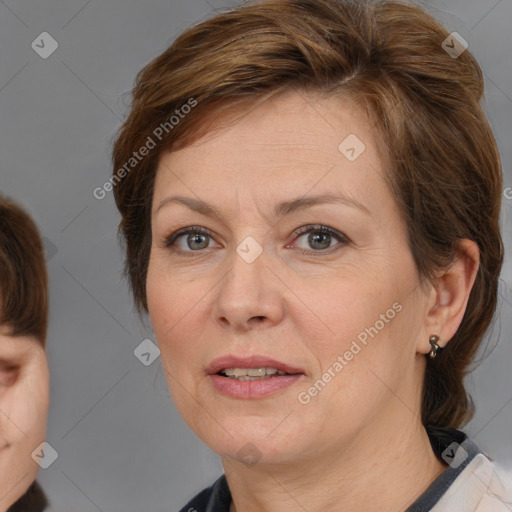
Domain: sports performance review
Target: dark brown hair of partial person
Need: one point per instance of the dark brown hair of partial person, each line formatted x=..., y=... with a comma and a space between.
x=23, y=274
x=438, y=152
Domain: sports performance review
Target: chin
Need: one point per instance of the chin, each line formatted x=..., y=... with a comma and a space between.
x=252, y=444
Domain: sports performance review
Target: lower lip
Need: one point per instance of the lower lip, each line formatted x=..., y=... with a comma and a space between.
x=235, y=388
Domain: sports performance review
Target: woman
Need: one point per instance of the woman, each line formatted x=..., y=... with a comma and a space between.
x=24, y=377
x=329, y=376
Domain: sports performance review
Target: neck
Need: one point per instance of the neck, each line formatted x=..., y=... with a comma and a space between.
x=377, y=471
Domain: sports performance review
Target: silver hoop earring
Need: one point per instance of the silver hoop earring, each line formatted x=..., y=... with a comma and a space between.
x=435, y=347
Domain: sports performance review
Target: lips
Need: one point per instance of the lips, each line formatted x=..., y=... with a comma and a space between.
x=255, y=361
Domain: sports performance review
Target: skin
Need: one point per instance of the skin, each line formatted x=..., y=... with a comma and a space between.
x=363, y=430
x=24, y=402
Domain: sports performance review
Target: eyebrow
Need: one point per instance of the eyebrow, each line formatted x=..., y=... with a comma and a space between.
x=280, y=210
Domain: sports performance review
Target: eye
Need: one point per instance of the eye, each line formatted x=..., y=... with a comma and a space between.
x=8, y=374
x=320, y=238
x=197, y=238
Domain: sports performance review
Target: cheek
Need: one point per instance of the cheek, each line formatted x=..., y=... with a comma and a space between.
x=162, y=299
x=350, y=310
x=366, y=345
x=30, y=403
x=164, y=289
x=23, y=426
x=173, y=308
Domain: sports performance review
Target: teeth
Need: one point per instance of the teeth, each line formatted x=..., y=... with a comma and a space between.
x=251, y=373
x=246, y=377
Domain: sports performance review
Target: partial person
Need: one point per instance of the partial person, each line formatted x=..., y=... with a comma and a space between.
x=24, y=374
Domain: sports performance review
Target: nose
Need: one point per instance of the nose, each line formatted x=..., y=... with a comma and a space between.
x=249, y=294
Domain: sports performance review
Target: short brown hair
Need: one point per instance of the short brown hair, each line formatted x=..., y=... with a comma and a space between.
x=23, y=274
x=443, y=165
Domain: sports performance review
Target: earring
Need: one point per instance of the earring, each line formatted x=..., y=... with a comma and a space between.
x=435, y=347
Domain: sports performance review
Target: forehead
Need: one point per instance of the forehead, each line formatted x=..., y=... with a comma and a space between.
x=293, y=142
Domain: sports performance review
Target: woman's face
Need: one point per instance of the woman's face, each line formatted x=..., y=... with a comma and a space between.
x=24, y=401
x=341, y=305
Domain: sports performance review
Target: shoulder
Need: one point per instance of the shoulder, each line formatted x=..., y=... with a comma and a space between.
x=499, y=492
x=216, y=498
x=483, y=486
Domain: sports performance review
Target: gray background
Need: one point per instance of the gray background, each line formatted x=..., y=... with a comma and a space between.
x=122, y=445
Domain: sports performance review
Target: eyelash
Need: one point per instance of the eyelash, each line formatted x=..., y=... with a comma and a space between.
x=170, y=240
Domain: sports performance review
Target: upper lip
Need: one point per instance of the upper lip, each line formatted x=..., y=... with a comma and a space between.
x=255, y=361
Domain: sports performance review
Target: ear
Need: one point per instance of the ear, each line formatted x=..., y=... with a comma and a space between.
x=449, y=296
